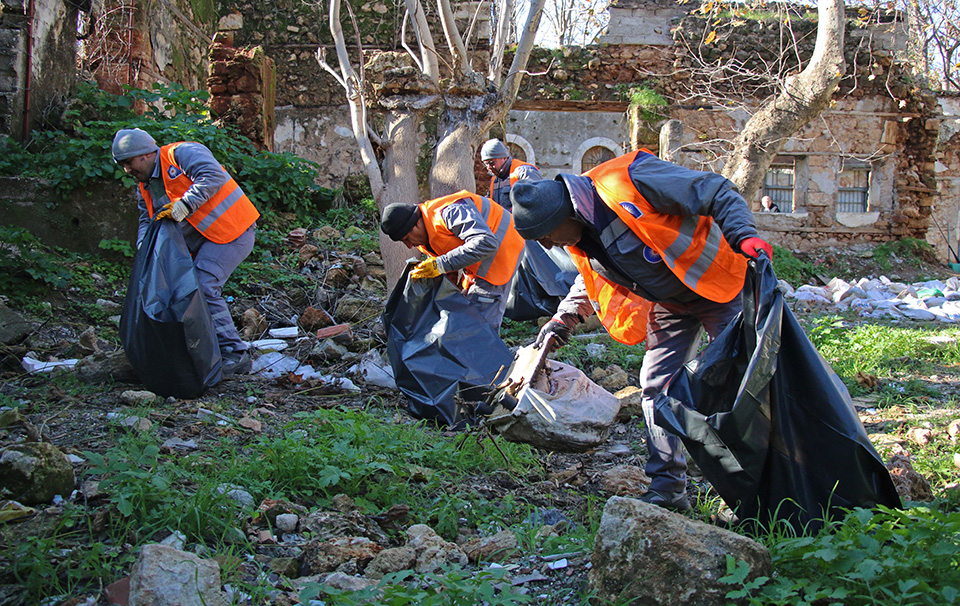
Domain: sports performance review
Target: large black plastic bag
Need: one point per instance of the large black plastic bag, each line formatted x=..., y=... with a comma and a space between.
x=166, y=328
x=770, y=424
x=439, y=347
x=542, y=279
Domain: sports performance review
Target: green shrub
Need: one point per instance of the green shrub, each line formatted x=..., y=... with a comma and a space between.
x=26, y=264
x=80, y=153
x=883, y=557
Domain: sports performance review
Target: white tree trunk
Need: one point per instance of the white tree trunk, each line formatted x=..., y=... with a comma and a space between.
x=803, y=98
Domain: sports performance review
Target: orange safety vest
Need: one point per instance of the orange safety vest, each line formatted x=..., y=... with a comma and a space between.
x=496, y=269
x=691, y=246
x=513, y=174
x=221, y=219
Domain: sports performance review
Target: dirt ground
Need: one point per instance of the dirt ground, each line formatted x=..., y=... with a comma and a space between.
x=79, y=422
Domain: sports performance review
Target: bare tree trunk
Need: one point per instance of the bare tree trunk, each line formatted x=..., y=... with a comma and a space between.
x=803, y=98
x=402, y=129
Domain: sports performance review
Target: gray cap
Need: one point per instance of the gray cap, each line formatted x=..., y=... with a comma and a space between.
x=399, y=219
x=494, y=149
x=539, y=207
x=131, y=142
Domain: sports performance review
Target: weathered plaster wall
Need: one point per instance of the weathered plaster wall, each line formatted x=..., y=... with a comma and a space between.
x=947, y=208
x=556, y=136
x=37, y=61
x=139, y=43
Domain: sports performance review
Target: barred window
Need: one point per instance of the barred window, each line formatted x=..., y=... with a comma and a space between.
x=778, y=182
x=853, y=193
x=595, y=156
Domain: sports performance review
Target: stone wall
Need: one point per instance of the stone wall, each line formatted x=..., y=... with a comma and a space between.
x=139, y=43
x=243, y=89
x=37, y=61
x=70, y=223
x=946, y=215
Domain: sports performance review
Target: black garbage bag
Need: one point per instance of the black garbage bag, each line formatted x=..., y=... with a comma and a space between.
x=542, y=280
x=440, y=347
x=165, y=327
x=770, y=424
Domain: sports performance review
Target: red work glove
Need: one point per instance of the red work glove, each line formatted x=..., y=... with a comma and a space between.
x=752, y=247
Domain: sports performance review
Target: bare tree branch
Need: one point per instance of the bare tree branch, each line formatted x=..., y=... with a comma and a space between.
x=428, y=51
x=454, y=41
x=353, y=85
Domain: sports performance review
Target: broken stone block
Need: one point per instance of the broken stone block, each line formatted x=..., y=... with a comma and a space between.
x=645, y=554
x=33, y=473
x=314, y=319
x=163, y=575
x=624, y=480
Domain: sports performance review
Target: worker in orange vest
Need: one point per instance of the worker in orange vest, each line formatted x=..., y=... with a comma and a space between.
x=504, y=171
x=662, y=252
x=464, y=233
x=183, y=182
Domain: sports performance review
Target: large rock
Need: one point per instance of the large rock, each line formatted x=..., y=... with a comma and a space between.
x=433, y=553
x=644, y=554
x=164, y=576
x=328, y=556
x=13, y=326
x=34, y=472
x=390, y=560
x=106, y=367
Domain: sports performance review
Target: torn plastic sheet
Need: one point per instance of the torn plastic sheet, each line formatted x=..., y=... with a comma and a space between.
x=558, y=408
x=440, y=347
x=33, y=366
x=273, y=365
x=165, y=327
x=769, y=423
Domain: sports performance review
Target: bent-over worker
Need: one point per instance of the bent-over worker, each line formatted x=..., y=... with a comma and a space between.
x=658, y=249
x=465, y=233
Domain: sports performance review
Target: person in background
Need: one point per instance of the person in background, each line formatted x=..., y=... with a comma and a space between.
x=768, y=205
x=183, y=182
x=464, y=233
x=661, y=252
x=504, y=171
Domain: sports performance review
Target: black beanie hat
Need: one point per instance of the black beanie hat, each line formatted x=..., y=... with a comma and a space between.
x=399, y=219
x=539, y=207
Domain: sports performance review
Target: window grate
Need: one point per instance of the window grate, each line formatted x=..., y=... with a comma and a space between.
x=778, y=184
x=853, y=195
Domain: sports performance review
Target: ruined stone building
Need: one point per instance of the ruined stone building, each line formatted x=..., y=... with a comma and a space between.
x=880, y=164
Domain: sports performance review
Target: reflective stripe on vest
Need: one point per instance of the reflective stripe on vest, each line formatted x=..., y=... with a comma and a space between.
x=222, y=218
x=622, y=312
x=691, y=246
x=496, y=269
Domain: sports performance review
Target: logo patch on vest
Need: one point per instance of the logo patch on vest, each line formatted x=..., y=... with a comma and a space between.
x=631, y=208
x=651, y=256
x=173, y=172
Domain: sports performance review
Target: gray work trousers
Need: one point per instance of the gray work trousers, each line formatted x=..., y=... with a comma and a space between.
x=673, y=338
x=214, y=263
x=490, y=300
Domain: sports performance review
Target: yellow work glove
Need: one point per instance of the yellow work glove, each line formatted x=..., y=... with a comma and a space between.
x=177, y=211
x=425, y=269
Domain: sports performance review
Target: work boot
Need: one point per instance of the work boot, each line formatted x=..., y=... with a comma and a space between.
x=235, y=363
x=676, y=501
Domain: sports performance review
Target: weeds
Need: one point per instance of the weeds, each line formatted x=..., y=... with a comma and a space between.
x=883, y=557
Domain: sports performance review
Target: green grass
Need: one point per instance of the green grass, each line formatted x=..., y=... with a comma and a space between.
x=868, y=558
